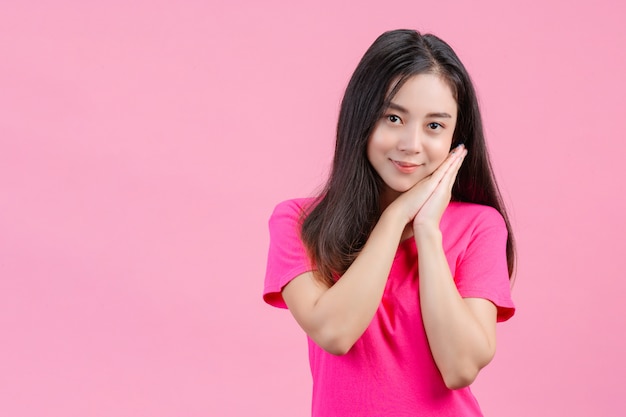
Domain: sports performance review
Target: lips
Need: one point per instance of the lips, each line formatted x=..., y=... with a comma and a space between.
x=405, y=167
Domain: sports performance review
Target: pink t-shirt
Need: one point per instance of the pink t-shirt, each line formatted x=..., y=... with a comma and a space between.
x=390, y=372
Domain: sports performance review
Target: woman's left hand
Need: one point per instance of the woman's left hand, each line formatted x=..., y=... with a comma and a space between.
x=430, y=213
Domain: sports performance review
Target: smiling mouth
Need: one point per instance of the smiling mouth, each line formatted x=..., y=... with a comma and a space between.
x=405, y=167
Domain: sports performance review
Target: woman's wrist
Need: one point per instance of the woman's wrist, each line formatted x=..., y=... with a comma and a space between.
x=394, y=217
x=426, y=231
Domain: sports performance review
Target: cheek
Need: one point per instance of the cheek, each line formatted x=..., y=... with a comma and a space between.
x=375, y=147
x=441, y=150
x=446, y=146
x=438, y=155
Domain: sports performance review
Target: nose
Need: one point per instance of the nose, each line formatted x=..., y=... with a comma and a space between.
x=410, y=141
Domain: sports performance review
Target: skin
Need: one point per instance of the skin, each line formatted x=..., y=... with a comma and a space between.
x=409, y=149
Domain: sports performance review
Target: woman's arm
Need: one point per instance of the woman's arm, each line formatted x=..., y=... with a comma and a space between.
x=336, y=317
x=461, y=332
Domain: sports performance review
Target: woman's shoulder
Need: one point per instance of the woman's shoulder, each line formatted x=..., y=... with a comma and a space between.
x=292, y=208
x=287, y=256
x=295, y=204
x=472, y=214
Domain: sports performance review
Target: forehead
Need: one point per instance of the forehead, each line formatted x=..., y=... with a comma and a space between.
x=424, y=92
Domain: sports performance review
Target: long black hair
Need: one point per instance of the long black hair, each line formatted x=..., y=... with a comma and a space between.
x=341, y=219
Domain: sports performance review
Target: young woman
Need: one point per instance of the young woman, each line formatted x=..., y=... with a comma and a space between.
x=400, y=269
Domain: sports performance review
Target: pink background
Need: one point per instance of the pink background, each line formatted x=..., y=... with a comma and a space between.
x=144, y=144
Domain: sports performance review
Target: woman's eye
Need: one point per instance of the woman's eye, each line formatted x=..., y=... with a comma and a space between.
x=393, y=118
x=434, y=126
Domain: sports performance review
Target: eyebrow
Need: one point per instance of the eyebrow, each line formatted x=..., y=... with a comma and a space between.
x=397, y=107
x=401, y=109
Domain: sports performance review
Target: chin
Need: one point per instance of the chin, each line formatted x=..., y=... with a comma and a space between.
x=402, y=190
x=404, y=186
x=394, y=191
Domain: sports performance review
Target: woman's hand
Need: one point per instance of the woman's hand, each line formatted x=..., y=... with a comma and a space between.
x=429, y=214
x=434, y=187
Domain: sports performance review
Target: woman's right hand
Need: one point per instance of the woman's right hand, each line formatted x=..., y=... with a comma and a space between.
x=410, y=202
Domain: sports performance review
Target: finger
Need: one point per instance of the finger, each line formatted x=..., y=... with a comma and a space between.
x=448, y=163
x=452, y=173
x=453, y=163
x=447, y=181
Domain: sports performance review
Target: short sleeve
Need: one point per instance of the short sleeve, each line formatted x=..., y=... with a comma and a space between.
x=482, y=270
x=287, y=257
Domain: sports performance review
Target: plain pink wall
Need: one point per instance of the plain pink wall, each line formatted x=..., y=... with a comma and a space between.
x=144, y=144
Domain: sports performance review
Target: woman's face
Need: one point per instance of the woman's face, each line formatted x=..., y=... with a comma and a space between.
x=414, y=135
